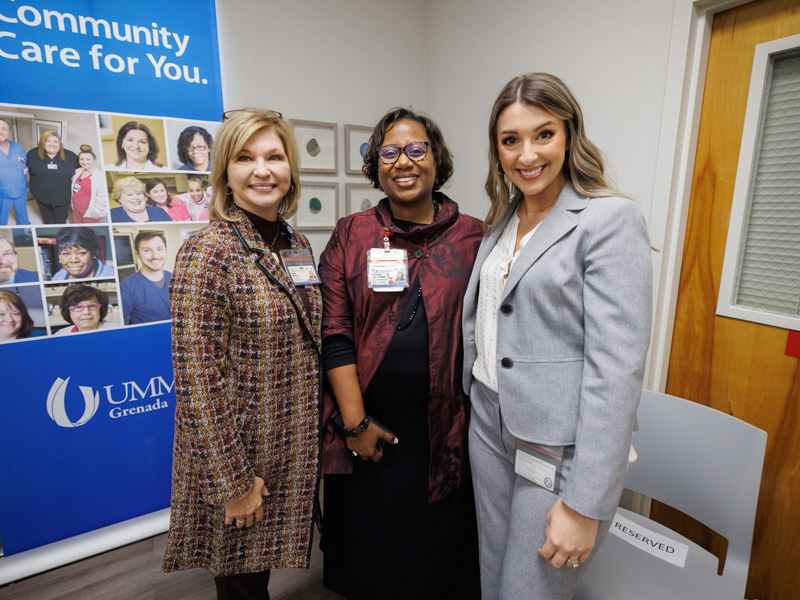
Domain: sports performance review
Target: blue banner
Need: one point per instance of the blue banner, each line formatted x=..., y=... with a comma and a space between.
x=109, y=109
x=86, y=433
x=143, y=57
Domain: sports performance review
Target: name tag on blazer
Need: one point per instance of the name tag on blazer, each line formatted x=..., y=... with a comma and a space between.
x=539, y=464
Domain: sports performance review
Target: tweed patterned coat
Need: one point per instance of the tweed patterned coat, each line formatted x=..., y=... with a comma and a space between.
x=247, y=380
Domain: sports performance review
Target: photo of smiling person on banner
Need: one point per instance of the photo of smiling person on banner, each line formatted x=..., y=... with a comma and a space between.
x=136, y=146
x=89, y=191
x=16, y=322
x=130, y=193
x=197, y=198
x=145, y=294
x=158, y=195
x=78, y=252
x=13, y=177
x=10, y=271
x=194, y=149
x=85, y=308
x=50, y=169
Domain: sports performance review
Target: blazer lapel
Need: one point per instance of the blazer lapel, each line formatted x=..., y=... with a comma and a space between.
x=558, y=223
x=487, y=244
x=274, y=271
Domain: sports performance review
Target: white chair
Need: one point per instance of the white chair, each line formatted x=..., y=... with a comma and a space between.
x=706, y=464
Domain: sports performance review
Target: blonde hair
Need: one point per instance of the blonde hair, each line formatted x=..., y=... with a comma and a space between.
x=583, y=165
x=43, y=139
x=231, y=138
x=126, y=183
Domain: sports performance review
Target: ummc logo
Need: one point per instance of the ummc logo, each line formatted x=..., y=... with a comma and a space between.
x=57, y=404
x=132, y=393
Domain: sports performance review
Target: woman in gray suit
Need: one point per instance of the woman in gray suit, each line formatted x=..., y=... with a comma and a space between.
x=556, y=328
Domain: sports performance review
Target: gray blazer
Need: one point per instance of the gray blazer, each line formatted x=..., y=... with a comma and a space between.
x=573, y=330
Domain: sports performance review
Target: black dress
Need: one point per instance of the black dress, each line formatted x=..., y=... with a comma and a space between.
x=382, y=539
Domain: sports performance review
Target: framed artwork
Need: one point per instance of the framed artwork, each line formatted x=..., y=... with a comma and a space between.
x=318, y=207
x=316, y=142
x=356, y=141
x=362, y=196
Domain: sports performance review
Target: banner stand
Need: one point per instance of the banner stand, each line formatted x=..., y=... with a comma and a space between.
x=37, y=560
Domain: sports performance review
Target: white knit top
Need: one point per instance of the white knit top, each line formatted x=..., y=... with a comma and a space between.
x=494, y=272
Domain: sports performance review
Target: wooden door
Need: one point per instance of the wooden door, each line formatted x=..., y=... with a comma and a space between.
x=735, y=366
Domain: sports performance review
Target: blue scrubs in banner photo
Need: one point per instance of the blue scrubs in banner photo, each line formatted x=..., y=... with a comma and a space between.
x=154, y=213
x=13, y=184
x=145, y=301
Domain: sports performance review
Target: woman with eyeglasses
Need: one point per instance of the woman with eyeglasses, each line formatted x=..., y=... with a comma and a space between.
x=85, y=309
x=556, y=328
x=245, y=347
x=399, y=518
x=79, y=254
x=194, y=149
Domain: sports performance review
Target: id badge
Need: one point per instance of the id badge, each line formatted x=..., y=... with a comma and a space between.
x=76, y=188
x=387, y=269
x=539, y=464
x=299, y=264
x=52, y=166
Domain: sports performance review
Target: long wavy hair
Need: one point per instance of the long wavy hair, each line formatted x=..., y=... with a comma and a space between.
x=583, y=166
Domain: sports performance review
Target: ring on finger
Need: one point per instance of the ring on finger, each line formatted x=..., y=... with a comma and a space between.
x=573, y=563
x=240, y=521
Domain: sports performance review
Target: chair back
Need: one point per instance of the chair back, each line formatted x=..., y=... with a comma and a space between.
x=705, y=463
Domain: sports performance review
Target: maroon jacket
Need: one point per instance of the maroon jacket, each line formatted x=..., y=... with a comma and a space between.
x=441, y=254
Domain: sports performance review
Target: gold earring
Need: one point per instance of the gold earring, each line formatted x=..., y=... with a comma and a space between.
x=500, y=169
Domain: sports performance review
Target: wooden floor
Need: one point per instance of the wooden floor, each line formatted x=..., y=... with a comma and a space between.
x=134, y=573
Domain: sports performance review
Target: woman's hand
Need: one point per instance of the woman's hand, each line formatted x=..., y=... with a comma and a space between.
x=365, y=443
x=569, y=535
x=248, y=509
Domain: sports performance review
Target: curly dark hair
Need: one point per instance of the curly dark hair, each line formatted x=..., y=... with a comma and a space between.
x=79, y=292
x=441, y=153
x=185, y=139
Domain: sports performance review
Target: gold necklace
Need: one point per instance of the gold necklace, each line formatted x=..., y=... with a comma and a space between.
x=537, y=210
x=272, y=243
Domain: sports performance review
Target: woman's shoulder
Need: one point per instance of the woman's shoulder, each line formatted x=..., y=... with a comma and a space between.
x=157, y=213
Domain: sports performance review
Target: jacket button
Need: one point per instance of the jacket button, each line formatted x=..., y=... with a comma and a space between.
x=506, y=309
x=418, y=253
x=507, y=363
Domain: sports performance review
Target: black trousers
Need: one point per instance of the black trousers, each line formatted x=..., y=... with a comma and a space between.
x=53, y=214
x=243, y=586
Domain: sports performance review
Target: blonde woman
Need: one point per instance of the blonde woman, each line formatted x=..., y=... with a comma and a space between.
x=556, y=329
x=50, y=168
x=130, y=193
x=246, y=339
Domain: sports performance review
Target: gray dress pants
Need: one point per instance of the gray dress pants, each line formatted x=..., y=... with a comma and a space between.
x=512, y=513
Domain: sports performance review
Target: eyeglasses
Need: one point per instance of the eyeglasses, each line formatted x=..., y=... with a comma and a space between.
x=415, y=151
x=229, y=113
x=15, y=313
x=8, y=255
x=197, y=148
x=82, y=307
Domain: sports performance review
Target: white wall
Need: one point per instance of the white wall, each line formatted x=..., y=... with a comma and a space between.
x=340, y=61
x=348, y=61
x=613, y=55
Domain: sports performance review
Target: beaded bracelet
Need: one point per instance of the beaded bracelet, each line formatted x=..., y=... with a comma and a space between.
x=358, y=429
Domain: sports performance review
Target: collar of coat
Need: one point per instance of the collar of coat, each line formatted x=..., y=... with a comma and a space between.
x=448, y=213
x=252, y=242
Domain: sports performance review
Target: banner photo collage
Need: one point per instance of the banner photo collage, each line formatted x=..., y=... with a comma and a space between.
x=112, y=198
x=108, y=113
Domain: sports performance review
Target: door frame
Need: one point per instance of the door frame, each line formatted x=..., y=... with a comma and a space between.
x=692, y=21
